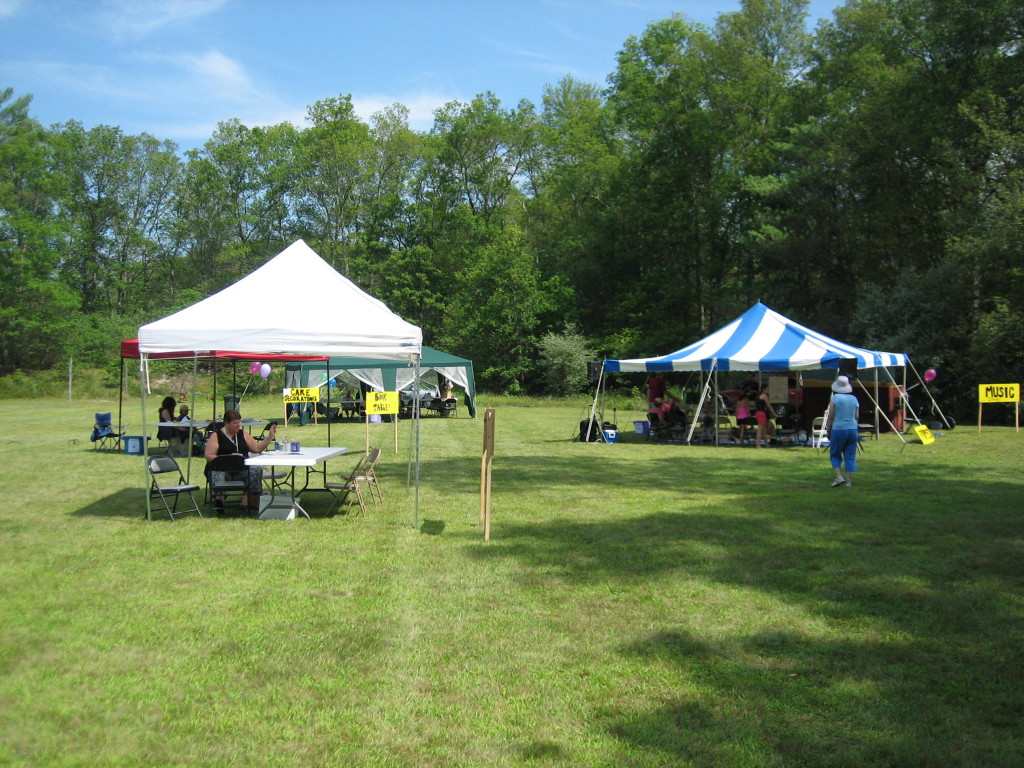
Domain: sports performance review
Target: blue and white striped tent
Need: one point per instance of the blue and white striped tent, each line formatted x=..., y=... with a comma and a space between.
x=761, y=340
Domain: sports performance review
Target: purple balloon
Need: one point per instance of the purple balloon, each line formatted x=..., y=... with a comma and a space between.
x=930, y=374
x=265, y=370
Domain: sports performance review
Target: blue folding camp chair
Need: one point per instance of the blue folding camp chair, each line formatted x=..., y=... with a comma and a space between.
x=104, y=434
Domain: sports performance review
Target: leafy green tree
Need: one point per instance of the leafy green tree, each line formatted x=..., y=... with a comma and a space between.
x=484, y=152
x=578, y=155
x=235, y=205
x=36, y=310
x=117, y=193
x=497, y=302
x=563, y=359
x=668, y=249
x=397, y=154
x=333, y=179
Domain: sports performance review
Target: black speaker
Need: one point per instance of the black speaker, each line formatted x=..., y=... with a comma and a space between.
x=848, y=367
x=594, y=371
x=590, y=432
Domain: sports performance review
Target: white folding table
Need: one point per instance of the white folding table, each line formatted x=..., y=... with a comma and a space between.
x=284, y=507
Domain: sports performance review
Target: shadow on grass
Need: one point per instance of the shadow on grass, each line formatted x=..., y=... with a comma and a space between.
x=782, y=699
x=131, y=503
x=432, y=527
x=127, y=502
x=918, y=599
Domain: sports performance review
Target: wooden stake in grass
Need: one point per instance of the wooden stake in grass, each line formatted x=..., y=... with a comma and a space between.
x=485, y=473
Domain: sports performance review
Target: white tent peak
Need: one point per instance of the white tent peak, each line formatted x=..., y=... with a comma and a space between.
x=297, y=304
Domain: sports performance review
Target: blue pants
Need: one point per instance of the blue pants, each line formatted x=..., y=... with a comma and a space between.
x=842, y=446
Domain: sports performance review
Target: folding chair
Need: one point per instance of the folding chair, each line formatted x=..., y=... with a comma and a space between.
x=818, y=432
x=104, y=433
x=368, y=475
x=231, y=490
x=271, y=474
x=166, y=465
x=350, y=485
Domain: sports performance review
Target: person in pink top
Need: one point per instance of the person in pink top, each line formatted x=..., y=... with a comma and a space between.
x=744, y=417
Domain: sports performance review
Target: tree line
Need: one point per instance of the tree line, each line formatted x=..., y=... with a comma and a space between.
x=865, y=178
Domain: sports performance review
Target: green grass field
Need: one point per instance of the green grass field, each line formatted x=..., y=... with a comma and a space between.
x=638, y=605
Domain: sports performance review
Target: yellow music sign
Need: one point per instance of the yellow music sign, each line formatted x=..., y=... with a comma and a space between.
x=998, y=393
x=382, y=403
x=301, y=394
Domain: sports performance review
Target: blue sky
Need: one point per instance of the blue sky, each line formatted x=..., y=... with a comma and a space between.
x=175, y=68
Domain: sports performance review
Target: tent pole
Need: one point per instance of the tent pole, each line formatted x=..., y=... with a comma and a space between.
x=714, y=402
x=120, y=399
x=213, y=416
x=878, y=410
x=593, y=405
x=877, y=422
x=704, y=397
x=416, y=416
x=903, y=397
x=143, y=381
x=604, y=401
x=935, y=405
x=192, y=410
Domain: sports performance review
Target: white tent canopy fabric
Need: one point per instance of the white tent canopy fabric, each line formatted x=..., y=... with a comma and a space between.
x=297, y=304
x=761, y=340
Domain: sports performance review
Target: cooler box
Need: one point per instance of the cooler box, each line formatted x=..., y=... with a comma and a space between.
x=611, y=435
x=132, y=444
x=642, y=427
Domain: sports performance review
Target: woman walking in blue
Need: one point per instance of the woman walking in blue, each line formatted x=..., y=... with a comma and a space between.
x=841, y=427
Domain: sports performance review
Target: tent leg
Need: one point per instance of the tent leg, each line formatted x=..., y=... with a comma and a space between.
x=143, y=382
x=593, y=405
x=705, y=396
x=935, y=405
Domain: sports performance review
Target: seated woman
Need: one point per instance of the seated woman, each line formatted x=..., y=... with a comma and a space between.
x=229, y=439
x=179, y=442
x=166, y=415
x=658, y=412
x=675, y=415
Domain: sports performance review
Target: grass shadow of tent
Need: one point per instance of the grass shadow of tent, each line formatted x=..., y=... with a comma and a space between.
x=127, y=502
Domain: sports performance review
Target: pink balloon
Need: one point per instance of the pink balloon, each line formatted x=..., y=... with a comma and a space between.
x=254, y=367
x=265, y=370
x=930, y=374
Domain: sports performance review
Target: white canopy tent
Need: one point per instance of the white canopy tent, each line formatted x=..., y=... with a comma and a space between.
x=294, y=304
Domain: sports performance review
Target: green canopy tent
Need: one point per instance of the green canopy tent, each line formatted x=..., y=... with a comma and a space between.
x=384, y=375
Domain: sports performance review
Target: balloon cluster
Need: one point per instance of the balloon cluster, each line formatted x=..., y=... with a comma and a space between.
x=263, y=370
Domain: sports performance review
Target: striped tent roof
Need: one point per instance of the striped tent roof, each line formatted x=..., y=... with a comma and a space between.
x=761, y=340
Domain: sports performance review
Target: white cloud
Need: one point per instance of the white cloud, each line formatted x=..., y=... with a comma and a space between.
x=139, y=18
x=9, y=7
x=220, y=75
x=96, y=80
x=421, y=106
